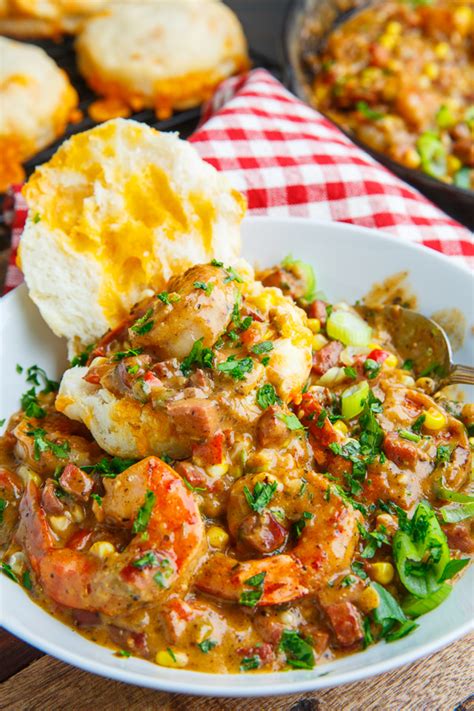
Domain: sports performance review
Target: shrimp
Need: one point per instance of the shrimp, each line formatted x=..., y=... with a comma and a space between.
x=327, y=531
x=200, y=307
x=151, y=499
x=48, y=443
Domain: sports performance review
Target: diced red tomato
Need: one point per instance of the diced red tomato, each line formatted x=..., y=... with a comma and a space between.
x=378, y=355
x=151, y=379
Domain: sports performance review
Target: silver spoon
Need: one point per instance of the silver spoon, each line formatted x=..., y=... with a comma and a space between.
x=421, y=342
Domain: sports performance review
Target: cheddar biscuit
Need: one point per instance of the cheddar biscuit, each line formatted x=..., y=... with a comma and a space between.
x=166, y=55
x=45, y=18
x=118, y=210
x=36, y=100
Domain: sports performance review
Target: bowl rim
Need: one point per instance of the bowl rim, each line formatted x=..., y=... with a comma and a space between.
x=294, y=83
x=211, y=686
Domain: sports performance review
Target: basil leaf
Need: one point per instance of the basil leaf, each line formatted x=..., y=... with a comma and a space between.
x=299, y=653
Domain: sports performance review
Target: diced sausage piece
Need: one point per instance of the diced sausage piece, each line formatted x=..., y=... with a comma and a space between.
x=198, y=418
x=399, y=451
x=85, y=618
x=317, y=309
x=196, y=476
x=460, y=537
x=327, y=357
x=263, y=651
x=271, y=430
x=80, y=539
x=323, y=433
x=76, y=482
x=262, y=532
x=289, y=283
x=346, y=622
x=210, y=452
x=269, y=626
x=134, y=642
x=51, y=503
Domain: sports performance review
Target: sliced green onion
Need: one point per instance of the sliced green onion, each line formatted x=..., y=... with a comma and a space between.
x=444, y=117
x=453, y=568
x=415, y=606
x=353, y=399
x=432, y=154
x=457, y=512
x=348, y=328
x=410, y=436
x=307, y=273
x=462, y=178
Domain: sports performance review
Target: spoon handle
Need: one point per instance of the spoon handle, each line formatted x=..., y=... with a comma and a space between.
x=462, y=374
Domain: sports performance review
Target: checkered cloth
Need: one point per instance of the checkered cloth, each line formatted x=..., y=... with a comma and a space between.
x=289, y=160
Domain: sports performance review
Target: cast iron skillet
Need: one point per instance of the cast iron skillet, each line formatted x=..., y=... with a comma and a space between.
x=308, y=23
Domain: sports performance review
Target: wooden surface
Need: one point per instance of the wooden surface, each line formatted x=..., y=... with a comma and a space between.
x=32, y=681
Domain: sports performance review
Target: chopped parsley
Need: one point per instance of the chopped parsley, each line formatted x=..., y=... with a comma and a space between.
x=266, y=396
x=198, y=355
x=291, y=421
x=350, y=372
x=321, y=418
x=358, y=568
x=241, y=323
x=110, y=468
x=443, y=453
x=30, y=404
x=364, y=109
x=148, y=560
x=206, y=288
x=3, y=506
x=371, y=368
x=190, y=486
x=36, y=218
x=418, y=424
x=161, y=578
x=300, y=525
x=144, y=513
x=263, y=493
x=433, y=369
x=249, y=663
x=263, y=347
x=97, y=499
x=232, y=275
x=34, y=376
x=206, y=645
x=81, y=358
x=249, y=598
x=299, y=653
x=123, y=653
x=131, y=353
x=216, y=263
x=237, y=368
x=167, y=298
x=408, y=364
x=26, y=580
x=2, y=421
x=375, y=539
x=7, y=570
x=41, y=444
x=143, y=324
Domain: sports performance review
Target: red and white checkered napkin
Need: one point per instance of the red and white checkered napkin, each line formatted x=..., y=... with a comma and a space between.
x=289, y=160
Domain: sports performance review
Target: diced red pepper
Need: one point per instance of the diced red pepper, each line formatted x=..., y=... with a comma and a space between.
x=210, y=452
x=378, y=355
x=151, y=379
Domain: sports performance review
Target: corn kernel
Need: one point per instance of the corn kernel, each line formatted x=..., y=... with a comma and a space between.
x=431, y=70
x=217, y=470
x=341, y=427
x=263, y=301
x=442, y=50
x=462, y=17
x=102, y=549
x=217, y=537
x=393, y=28
x=171, y=658
x=390, y=362
x=59, y=524
x=411, y=158
x=318, y=341
x=426, y=384
x=454, y=164
x=314, y=324
x=382, y=573
x=388, y=41
x=77, y=513
x=374, y=346
x=471, y=442
x=369, y=599
x=434, y=419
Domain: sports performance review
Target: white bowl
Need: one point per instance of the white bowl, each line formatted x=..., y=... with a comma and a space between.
x=347, y=260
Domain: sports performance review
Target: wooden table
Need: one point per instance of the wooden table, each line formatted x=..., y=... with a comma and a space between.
x=32, y=681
